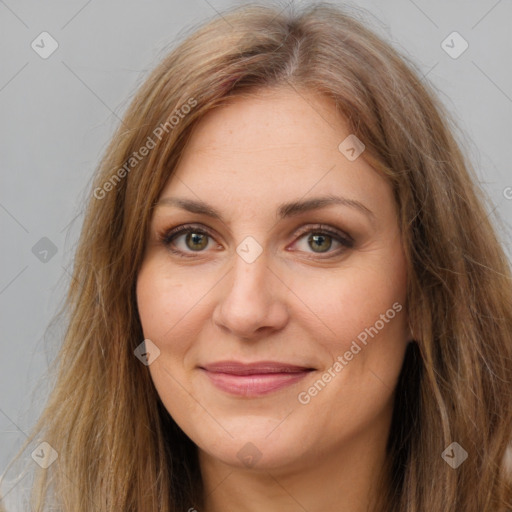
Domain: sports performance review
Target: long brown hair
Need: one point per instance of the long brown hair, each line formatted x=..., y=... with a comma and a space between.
x=119, y=450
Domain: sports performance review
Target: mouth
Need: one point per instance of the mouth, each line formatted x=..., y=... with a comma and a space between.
x=253, y=379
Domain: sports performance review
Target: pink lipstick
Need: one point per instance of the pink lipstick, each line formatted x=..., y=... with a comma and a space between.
x=253, y=379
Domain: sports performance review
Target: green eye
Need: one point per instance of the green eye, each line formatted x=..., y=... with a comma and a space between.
x=323, y=242
x=196, y=240
x=320, y=240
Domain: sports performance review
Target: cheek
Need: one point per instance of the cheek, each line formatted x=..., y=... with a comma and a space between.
x=165, y=312
x=352, y=302
x=165, y=302
x=363, y=332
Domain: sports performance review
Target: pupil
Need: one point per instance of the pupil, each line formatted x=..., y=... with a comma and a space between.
x=320, y=239
x=196, y=238
x=317, y=239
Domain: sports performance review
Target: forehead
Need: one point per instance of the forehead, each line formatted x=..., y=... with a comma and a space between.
x=270, y=120
x=272, y=144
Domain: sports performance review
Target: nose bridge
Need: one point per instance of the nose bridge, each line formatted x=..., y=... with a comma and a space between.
x=250, y=264
x=249, y=300
x=250, y=274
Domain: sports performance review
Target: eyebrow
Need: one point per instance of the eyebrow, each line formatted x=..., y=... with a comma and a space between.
x=285, y=210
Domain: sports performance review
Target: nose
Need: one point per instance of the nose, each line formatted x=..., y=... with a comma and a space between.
x=252, y=302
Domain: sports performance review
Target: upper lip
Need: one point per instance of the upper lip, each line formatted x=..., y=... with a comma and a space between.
x=256, y=368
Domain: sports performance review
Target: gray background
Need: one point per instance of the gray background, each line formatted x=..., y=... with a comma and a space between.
x=57, y=115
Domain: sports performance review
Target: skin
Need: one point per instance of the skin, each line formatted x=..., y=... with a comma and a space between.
x=298, y=302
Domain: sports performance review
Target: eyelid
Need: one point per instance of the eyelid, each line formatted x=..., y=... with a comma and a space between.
x=324, y=228
x=342, y=237
x=166, y=235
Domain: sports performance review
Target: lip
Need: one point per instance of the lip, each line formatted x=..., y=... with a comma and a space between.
x=253, y=379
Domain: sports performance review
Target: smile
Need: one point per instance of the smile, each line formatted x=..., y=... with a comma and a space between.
x=254, y=379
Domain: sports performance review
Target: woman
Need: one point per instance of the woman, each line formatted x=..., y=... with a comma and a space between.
x=287, y=293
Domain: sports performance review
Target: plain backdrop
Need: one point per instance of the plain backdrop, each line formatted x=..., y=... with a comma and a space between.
x=58, y=113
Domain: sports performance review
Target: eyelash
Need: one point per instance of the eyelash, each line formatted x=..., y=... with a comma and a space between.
x=167, y=237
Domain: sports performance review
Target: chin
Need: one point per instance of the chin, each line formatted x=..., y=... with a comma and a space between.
x=256, y=444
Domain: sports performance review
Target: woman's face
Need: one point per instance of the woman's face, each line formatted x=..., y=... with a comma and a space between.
x=280, y=318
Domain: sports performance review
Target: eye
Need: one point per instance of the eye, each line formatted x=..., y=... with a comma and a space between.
x=195, y=240
x=321, y=238
x=188, y=239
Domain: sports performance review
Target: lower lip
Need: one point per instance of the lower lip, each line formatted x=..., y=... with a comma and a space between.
x=254, y=385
